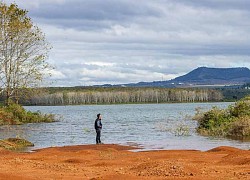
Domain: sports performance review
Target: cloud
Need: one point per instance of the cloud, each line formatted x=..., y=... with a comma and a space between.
x=122, y=41
x=218, y=4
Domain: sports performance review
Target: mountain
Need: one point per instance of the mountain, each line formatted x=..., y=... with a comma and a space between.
x=202, y=76
x=212, y=76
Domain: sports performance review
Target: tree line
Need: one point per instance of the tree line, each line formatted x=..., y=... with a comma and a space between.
x=123, y=95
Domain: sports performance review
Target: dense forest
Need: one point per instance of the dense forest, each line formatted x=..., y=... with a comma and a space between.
x=76, y=96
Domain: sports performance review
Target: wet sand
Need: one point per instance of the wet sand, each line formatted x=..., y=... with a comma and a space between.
x=117, y=162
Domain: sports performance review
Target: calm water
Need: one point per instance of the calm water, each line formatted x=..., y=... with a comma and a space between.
x=152, y=126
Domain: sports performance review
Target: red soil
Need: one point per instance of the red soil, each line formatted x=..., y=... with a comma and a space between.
x=116, y=162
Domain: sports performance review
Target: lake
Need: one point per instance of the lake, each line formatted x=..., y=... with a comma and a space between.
x=151, y=126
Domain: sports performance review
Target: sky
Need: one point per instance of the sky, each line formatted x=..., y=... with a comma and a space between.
x=128, y=41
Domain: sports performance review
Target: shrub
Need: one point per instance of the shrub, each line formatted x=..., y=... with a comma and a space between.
x=7, y=117
x=16, y=114
x=182, y=130
x=214, y=118
x=241, y=108
x=241, y=127
x=233, y=121
x=17, y=111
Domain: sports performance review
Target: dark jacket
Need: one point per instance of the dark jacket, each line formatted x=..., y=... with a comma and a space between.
x=98, y=124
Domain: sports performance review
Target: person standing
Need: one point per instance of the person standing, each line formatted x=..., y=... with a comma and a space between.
x=98, y=128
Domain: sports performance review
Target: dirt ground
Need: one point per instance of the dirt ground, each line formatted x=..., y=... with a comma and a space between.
x=117, y=162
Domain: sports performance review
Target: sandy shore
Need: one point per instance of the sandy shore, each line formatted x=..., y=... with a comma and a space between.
x=116, y=162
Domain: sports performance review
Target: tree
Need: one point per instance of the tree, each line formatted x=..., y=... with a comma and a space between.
x=23, y=51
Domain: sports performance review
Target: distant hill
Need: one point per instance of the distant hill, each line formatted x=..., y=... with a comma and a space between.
x=202, y=76
x=212, y=76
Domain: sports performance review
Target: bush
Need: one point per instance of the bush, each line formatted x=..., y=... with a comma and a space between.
x=233, y=121
x=241, y=108
x=182, y=130
x=213, y=118
x=16, y=114
x=241, y=127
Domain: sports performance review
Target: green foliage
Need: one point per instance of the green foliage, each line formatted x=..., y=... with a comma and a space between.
x=7, y=117
x=214, y=118
x=15, y=143
x=24, y=50
x=241, y=108
x=16, y=114
x=233, y=121
x=241, y=127
x=234, y=94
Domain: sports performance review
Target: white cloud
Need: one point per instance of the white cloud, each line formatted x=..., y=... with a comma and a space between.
x=119, y=41
x=99, y=63
x=55, y=74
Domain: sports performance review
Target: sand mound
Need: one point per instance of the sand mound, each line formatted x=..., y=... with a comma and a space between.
x=233, y=156
x=161, y=169
x=224, y=149
x=237, y=158
x=88, y=147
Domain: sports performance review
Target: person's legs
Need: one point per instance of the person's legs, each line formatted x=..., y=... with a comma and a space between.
x=98, y=136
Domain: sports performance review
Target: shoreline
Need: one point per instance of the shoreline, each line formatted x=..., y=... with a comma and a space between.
x=150, y=103
x=111, y=161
